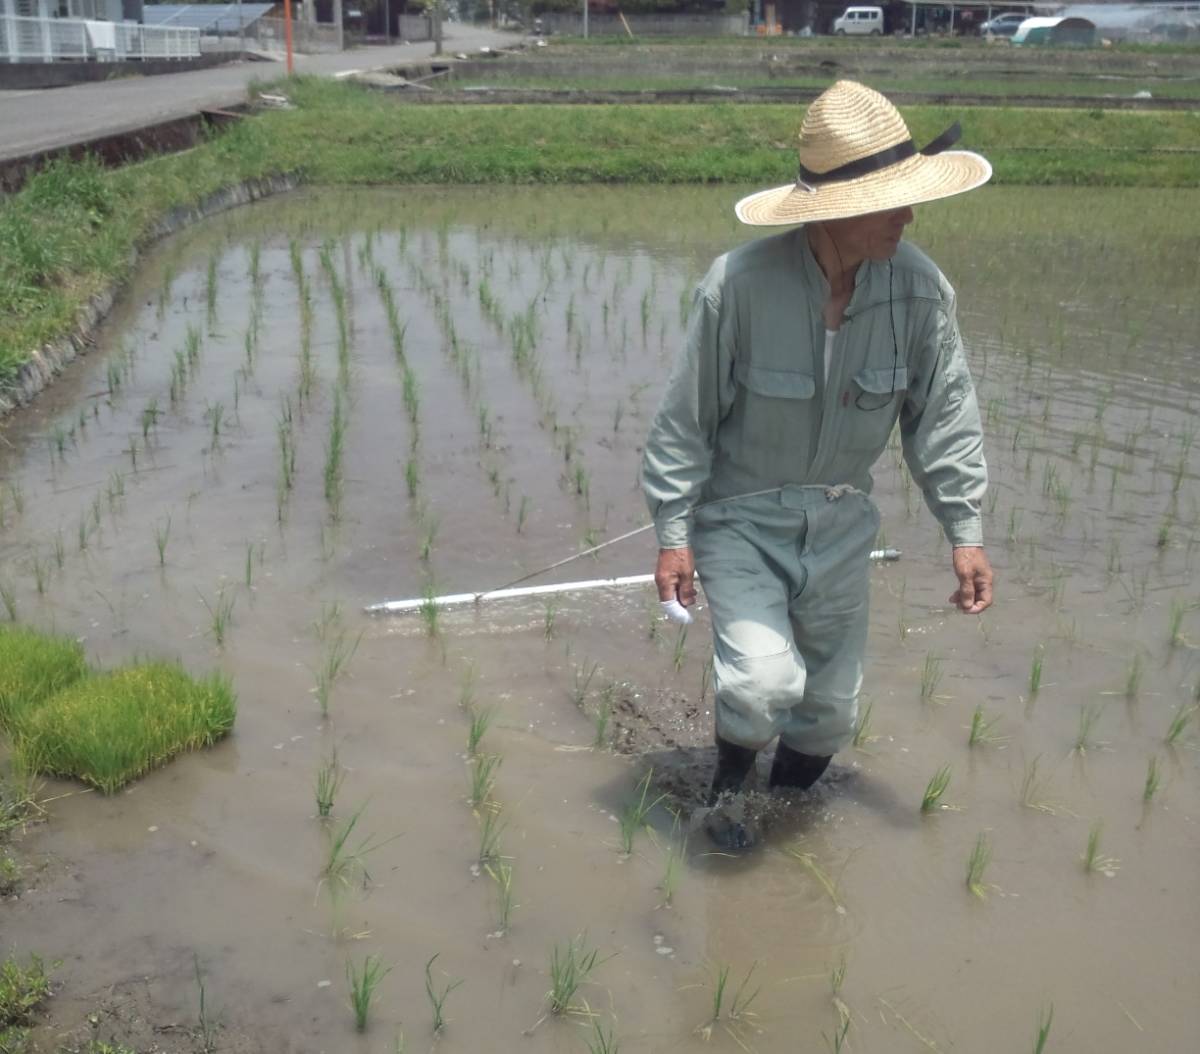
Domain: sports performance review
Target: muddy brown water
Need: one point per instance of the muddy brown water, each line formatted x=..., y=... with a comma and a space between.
x=1080, y=311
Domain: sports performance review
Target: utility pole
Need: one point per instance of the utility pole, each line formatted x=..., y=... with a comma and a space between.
x=437, y=27
x=337, y=22
x=241, y=31
x=585, y=13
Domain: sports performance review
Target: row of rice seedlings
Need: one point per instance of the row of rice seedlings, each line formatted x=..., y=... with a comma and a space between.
x=305, y=300
x=338, y=292
x=285, y=433
x=334, y=454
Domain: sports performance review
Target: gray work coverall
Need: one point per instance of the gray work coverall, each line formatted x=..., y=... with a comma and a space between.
x=748, y=408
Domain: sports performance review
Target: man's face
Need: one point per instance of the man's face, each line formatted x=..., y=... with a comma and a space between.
x=875, y=236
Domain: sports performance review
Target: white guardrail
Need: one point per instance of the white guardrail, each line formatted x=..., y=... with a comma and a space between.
x=25, y=39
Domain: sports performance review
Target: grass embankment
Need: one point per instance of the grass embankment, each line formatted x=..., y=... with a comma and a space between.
x=103, y=728
x=69, y=233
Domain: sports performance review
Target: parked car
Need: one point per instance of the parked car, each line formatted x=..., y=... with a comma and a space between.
x=1002, y=25
x=865, y=21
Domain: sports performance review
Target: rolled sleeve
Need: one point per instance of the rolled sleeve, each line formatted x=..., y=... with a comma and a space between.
x=941, y=432
x=679, y=450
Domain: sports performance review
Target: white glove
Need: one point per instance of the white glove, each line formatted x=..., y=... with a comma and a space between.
x=676, y=612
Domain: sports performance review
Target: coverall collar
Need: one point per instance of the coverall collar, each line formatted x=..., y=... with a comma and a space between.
x=819, y=290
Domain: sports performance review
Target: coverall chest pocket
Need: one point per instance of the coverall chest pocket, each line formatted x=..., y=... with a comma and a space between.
x=871, y=410
x=772, y=416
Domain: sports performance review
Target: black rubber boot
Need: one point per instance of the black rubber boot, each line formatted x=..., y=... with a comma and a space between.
x=733, y=766
x=795, y=770
x=726, y=823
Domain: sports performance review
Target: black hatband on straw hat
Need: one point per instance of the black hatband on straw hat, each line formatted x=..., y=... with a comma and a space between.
x=883, y=159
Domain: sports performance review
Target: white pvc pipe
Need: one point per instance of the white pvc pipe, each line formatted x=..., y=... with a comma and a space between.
x=397, y=607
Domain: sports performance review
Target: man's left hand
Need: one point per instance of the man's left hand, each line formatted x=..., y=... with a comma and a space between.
x=974, y=572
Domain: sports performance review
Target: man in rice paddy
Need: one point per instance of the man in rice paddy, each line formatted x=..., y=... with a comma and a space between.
x=803, y=349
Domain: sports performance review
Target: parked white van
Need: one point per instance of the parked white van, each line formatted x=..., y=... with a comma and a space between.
x=867, y=21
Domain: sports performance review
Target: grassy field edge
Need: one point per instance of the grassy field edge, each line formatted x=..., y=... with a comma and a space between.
x=72, y=232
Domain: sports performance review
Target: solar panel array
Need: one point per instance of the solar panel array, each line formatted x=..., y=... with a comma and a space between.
x=220, y=19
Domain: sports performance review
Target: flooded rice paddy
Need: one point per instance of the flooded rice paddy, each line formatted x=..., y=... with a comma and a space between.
x=338, y=398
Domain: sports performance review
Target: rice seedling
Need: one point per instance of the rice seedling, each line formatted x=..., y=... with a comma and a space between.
x=680, y=646
x=428, y=537
x=8, y=597
x=1133, y=678
x=412, y=397
x=862, y=725
x=220, y=614
x=1153, y=780
x=1035, y=669
x=570, y=968
x=430, y=612
x=1045, y=1020
x=1089, y=714
x=982, y=727
x=363, y=983
x=412, y=477
x=162, y=535
x=581, y=680
x=339, y=650
x=191, y=344
x=548, y=618
x=481, y=719
x=60, y=552
x=483, y=777
x=601, y=719
x=633, y=817
x=837, y=1041
x=1092, y=859
x=41, y=573
x=1175, y=624
x=437, y=1000
x=934, y=789
x=345, y=863
x=491, y=827
x=931, y=676
x=1034, y=788
x=601, y=1042
x=522, y=513
x=837, y=977
x=673, y=861
x=1180, y=722
x=738, y=1009
x=502, y=874
x=329, y=781
x=977, y=863
x=809, y=862
x=113, y=374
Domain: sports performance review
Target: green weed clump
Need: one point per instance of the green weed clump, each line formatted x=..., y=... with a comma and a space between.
x=33, y=667
x=22, y=990
x=110, y=728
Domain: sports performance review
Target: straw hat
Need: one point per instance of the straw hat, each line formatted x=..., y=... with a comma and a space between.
x=857, y=156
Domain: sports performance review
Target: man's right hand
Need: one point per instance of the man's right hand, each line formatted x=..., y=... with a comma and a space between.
x=675, y=576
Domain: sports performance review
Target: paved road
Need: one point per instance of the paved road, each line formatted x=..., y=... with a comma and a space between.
x=33, y=121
